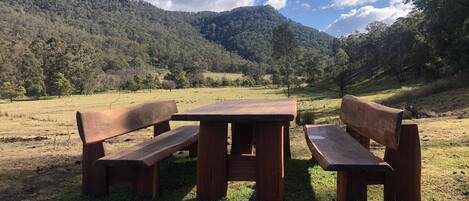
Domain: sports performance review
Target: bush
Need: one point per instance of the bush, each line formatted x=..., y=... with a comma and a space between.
x=305, y=117
x=169, y=85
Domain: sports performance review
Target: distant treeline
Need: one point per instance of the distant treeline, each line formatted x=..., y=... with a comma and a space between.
x=429, y=44
x=60, y=47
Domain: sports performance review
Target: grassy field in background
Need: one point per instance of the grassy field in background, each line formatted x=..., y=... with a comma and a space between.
x=40, y=147
x=219, y=76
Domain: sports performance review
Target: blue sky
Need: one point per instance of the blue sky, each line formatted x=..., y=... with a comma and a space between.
x=336, y=17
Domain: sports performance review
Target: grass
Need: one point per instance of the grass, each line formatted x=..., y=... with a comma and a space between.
x=40, y=148
x=219, y=76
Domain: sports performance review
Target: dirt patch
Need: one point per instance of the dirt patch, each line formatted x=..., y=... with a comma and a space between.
x=22, y=139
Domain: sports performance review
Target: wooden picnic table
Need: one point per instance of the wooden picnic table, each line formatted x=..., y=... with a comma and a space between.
x=254, y=123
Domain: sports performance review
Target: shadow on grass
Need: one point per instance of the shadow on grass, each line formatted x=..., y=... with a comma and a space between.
x=298, y=185
x=177, y=181
x=62, y=181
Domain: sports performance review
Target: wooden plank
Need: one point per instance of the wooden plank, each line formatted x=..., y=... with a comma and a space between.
x=212, y=179
x=335, y=150
x=242, y=110
x=97, y=126
x=150, y=152
x=242, y=168
x=375, y=121
x=407, y=165
x=242, y=138
x=270, y=161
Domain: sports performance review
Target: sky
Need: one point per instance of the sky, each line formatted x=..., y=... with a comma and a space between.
x=336, y=17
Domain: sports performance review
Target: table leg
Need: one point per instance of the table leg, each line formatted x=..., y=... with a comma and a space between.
x=286, y=140
x=270, y=161
x=212, y=160
x=241, y=138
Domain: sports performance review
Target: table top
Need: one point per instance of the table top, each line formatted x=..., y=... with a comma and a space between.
x=242, y=110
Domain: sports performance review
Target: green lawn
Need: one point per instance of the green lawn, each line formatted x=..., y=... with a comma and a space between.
x=40, y=148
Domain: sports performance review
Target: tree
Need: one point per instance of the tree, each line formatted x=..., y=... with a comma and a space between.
x=151, y=82
x=11, y=91
x=225, y=82
x=169, y=85
x=342, y=71
x=131, y=85
x=62, y=86
x=253, y=71
x=35, y=88
x=284, y=50
x=312, y=63
x=276, y=79
x=182, y=82
x=446, y=29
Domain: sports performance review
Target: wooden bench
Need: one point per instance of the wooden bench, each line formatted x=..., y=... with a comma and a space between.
x=347, y=152
x=136, y=167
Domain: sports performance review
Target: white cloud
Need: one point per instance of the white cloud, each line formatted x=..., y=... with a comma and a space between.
x=348, y=3
x=200, y=5
x=357, y=19
x=277, y=4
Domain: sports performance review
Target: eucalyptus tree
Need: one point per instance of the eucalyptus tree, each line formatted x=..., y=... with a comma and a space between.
x=284, y=48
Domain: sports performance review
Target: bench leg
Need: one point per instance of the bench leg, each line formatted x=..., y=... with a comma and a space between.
x=406, y=162
x=242, y=138
x=145, y=183
x=193, y=150
x=351, y=186
x=94, y=178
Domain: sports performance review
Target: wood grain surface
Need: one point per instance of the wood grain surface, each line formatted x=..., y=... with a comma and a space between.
x=336, y=150
x=242, y=110
x=96, y=126
x=375, y=121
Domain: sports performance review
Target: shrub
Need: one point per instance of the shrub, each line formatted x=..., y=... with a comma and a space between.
x=305, y=117
x=169, y=85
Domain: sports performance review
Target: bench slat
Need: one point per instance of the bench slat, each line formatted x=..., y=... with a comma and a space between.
x=372, y=120
x=97, y=126
x=150, y=152
x=336, y=150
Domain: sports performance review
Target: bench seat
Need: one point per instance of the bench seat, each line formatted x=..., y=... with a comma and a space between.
x=336, y=150
x=150, y=152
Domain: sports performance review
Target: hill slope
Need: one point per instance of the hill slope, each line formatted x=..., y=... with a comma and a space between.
x=247, y=31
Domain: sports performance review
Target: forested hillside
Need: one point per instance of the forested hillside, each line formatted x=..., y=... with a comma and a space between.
x=431, y=43
x=102, y=44
x=248, y=32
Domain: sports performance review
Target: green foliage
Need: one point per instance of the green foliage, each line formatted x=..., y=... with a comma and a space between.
x=311, y=64
x=11, y=91
x=225, y=82
x=284, y=52
x=169, y=85
x=342, y=73
x=61, y=86
x=248, y=32
x=276, y=77
x=254, y=72
x=35, y=89
x=446, y=27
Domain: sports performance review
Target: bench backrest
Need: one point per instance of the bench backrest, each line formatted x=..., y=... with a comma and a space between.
x=97, y=126
x=377, y=122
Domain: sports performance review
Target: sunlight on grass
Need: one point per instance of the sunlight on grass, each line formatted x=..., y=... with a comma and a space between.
x=51, y=162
